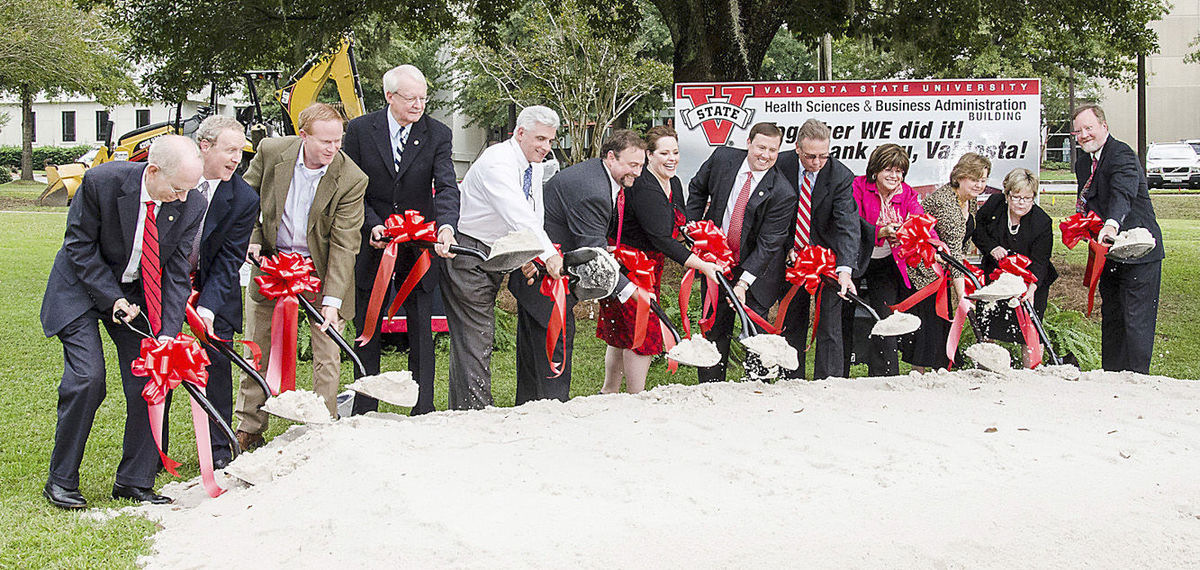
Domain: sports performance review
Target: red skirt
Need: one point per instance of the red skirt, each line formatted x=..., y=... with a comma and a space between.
x=617, y=320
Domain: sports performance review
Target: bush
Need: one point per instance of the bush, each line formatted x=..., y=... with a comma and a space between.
x=10, y=156
x=1055, y=165
x=5, y=175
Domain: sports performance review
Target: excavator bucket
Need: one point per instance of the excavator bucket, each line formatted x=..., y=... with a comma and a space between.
x=61, y=183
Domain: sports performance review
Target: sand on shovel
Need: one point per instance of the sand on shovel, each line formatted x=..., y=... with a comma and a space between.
x=1006, y=286
x=1132, y=243
x=772, y=350
x=990, y=356
x=695, y=351
x=299, y=406
x=519, y=240
x=394, y=387
x=896, y=324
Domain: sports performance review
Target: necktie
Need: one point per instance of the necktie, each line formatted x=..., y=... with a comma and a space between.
x=151, y=270
x=735, y=219
x=403, y=136
x=804, y=213
x=1081, y=200
x=527, y=182
x=620, y=213
x=194, y=256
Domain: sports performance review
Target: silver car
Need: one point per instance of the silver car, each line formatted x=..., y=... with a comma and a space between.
x=1172, y=164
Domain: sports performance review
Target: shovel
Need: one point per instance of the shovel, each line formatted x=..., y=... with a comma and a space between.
x=896, y=324
x=508, y=253
x=1129, y=250
x=193, y=391
x=591, y=272
x=662, y=316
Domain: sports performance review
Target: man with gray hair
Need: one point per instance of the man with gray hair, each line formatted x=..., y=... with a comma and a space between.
x=501, y=193
x=407, y=156
x=124, y=255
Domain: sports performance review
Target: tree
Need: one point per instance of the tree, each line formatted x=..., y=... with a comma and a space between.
x=561, y=56
x=50, y=46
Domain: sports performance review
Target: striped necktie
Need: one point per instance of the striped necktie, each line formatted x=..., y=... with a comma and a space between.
x=734, y=236
x=527, y=182
x=151, y=270
x=399, y=151
x=804, y=213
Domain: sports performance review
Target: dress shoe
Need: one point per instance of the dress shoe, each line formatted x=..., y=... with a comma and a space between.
x=139, y=494
x=248, y=441
x=221, y=463
x=63, y=497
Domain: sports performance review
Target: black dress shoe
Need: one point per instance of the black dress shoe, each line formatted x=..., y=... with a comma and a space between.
x=63, y=497
x=139, y=494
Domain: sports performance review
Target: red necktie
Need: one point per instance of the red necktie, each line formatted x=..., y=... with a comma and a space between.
x=151, y=270
x=735, y=219
x=1081, y=201
x=804, y=213
x=620, y=213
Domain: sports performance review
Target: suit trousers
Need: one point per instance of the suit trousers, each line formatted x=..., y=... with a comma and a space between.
x=418, y=310
x=470, y=300
x=884, y=286
x=535, y=381
x=1128, y=315
x=829, y=353
x=219, y=392
x=326, y=363
x=720, y=334
x=80, y=394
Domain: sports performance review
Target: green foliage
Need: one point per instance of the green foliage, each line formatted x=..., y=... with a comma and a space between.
x=1055, y=165
x=505, y=337
x=376, y=55
x=1072, y=332
x=10, y=156
x=5, y=175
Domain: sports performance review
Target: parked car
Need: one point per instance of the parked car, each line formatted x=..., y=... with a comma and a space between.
x=1172, y=164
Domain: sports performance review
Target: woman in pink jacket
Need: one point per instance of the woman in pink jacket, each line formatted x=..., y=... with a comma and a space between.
x=884, y=202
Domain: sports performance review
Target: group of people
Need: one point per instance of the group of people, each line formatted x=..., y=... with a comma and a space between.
x=141, y=237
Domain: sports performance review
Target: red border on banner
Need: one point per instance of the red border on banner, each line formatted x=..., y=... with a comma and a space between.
x=905, y=88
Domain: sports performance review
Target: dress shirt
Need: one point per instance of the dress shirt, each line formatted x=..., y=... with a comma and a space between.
x=135, y=257
x=1096, y=160
x=205, y=312
x=625, y=293
x=293, y=227
x=738, y=182
x=493, y=202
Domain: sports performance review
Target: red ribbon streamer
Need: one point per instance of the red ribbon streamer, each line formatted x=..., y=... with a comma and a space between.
x=200, y=331
x=917, y=243
x=410, y=227
x=167, y=364
x=939, y=287
x=810, y=264
x=640, y=269
x=556, y=289
x=960, y=314
x=285, y=275
x=1018, y=265
x=1086, y=226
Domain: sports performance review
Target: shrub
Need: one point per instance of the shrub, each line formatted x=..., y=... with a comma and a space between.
x=1055, y=165
x=5, y=175
x=10, y=156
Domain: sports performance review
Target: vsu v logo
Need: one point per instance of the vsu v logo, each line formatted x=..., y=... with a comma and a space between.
x=717, y=118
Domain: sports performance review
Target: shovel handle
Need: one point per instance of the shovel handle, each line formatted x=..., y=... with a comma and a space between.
x=241, y=362
x=853, y=297
x=455, y=249
x=1037, y=323
x=748, y=328
x=211, y=412
x=961, y=268
x=121, y=315
x=662, y=316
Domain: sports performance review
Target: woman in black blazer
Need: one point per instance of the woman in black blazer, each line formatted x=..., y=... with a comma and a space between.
x=1012, y=222
x=653, y=212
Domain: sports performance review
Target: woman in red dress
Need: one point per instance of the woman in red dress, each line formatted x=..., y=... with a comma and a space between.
x=651, y=221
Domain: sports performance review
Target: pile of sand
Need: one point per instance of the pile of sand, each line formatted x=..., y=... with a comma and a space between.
x=968, y=469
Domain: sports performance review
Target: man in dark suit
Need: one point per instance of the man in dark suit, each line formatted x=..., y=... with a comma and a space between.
x=826, y=216
x=217, y=255
x=755, y=206
x=1113, y=185
x=129, y=233
x=580, y=203
x=406, y=155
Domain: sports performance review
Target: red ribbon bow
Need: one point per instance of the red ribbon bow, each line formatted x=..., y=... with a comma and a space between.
x=709, y=244
x=917, y=244
x=1086, y=226
x=410, y=227
x=805, y=272
x=556, y=289
x=167, y=364
x=641, y=272
x=1016, y=264
x=285, y=275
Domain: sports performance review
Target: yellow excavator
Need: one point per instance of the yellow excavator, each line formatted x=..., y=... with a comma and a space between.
x=299, y=92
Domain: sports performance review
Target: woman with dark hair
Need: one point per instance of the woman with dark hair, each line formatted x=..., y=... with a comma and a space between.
x=954, y=206
x=653, y=214
x=884, y=202
x=1012, y=222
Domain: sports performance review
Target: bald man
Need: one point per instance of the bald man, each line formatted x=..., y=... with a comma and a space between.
x=129, y=233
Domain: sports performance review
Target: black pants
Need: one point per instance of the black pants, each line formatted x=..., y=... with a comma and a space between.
x=219, y=391
x=535, y=381
x=721, y=333
x=883, y=285
x=80, y=394
x=1128, y=315
x=418, y=310
x=829, y=355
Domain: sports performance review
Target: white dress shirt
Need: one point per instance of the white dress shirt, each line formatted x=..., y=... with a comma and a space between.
x=205, y=312
x=292, y=236
x=493, y=203
x=135, y=256
x=738, y=182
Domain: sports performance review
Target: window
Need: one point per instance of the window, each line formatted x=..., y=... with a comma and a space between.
x=143, y=117
x=68, y=120
x=101, y=124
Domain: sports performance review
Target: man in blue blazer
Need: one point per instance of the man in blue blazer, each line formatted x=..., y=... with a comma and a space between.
x=129, y=232
x=407, y=156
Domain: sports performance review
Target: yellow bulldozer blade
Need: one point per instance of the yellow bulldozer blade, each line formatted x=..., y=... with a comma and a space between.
x=61, y=183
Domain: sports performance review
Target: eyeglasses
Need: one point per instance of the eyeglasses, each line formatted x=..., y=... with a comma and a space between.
x=1021, y=199
x=410, y=100
x=815, y=156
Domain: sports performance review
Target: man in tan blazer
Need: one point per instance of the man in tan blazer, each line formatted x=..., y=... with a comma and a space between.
x=311, y=195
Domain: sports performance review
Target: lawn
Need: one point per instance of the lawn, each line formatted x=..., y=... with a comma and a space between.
x=38, y=535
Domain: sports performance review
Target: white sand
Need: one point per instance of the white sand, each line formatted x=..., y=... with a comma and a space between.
x=773, y=351
x=299, y=406
x=520, y=240
x=945, y=470
x=695, y=351
x=896, y=324
x=1006, y=286
x=990, y=356
x=394, y=387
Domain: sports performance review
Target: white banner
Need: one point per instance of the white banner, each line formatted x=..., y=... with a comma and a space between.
x=937, y=121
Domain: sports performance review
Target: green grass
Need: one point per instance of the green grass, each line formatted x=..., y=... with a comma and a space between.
x=1056, y=175
x=37, y=535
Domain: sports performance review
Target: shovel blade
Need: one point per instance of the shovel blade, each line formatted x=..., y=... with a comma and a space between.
x=505, y=261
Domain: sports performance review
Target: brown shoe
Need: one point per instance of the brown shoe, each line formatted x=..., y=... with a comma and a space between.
x=248, y=441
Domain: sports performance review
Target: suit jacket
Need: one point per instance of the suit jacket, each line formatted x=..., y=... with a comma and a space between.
x=232, y=211
x=649, y=223
x=99, y=241
x=835, y=222
x=1119, y=191
x=426, y=182
x=334, y=219
x=578, y=212
x=768, y=225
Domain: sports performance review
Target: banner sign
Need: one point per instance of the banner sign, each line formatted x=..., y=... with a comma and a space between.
x=936, y=121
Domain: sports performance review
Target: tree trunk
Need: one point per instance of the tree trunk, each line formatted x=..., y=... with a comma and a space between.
x=720, y=40
x=26, y=133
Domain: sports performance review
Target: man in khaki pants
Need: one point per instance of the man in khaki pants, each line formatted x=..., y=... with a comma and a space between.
x=311, y=195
